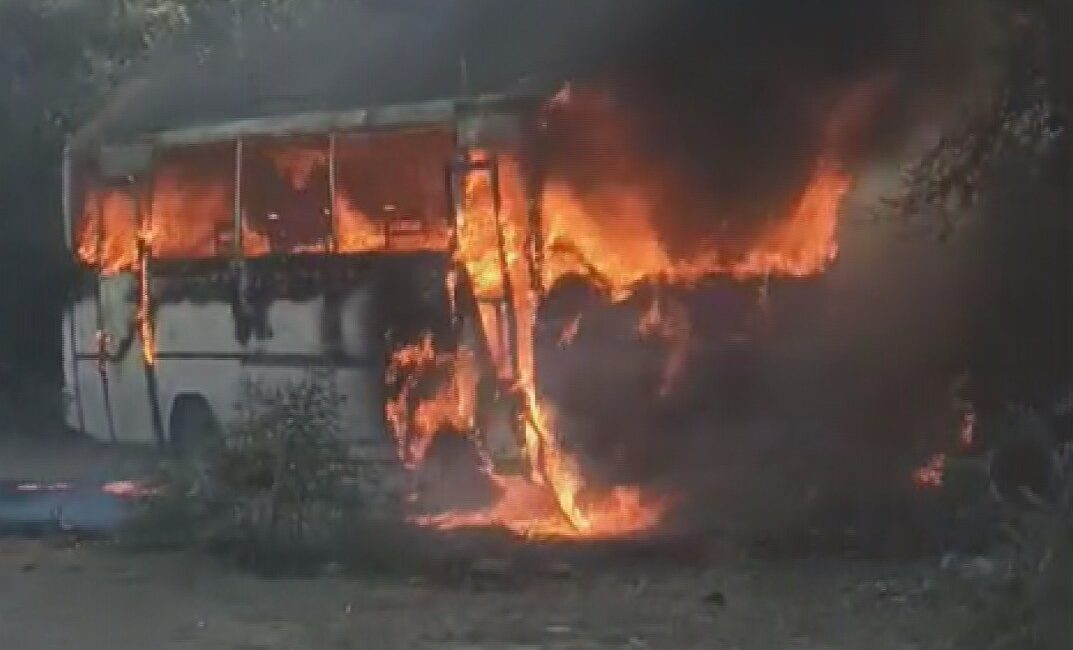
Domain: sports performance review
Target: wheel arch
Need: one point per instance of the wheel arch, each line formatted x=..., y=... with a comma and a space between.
x=181, y=403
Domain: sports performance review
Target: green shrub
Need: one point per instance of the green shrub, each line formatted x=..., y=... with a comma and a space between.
x=282, y=484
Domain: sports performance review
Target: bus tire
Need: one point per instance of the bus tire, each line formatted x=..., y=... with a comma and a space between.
x=195, y=435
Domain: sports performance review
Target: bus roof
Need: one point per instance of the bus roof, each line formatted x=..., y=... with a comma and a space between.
x=429, y=113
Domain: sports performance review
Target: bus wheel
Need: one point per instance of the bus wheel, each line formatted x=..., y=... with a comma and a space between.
x=195, y=435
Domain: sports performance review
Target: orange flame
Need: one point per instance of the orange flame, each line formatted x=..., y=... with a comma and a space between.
x=433, y=392
x=610, y=230
x=388, y=195
x=389, y=192
x=611, y=236
x=529, y=511
x=191, y=204
x=107, y=231
x=145, y=309
x=555, y=500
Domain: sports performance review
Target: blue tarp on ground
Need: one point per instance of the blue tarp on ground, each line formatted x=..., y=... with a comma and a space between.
x=31, y=509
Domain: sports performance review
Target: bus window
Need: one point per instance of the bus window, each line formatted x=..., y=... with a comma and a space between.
x=106, y=231
x=192, y=207
x=391, y=191
x=285, y=197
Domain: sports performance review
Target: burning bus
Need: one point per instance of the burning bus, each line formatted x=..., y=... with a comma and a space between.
x=418, y=255
x=255, y=250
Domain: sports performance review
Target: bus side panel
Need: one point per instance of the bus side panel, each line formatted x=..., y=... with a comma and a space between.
x=90, y=390
x=72, y=406
x=128, y=383
x=290, y=352
x=295, y=329
x=354, y=362
x=362, y=383
x=198, y=354
x=217, y=380
x=297, y=348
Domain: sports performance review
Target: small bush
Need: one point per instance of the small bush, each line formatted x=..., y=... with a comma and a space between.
x=284, y=468
x=282, y=484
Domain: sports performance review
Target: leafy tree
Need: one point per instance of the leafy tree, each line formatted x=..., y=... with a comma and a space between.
x=1026, y=115
x=58, y=60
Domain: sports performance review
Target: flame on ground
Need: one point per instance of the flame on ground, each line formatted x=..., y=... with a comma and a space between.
x=528, y=510
x=435, y=393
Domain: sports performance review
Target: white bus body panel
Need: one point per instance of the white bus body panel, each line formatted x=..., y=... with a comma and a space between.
x=198, y=354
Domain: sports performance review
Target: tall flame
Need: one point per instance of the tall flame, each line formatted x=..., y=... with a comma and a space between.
x=610, y=230
x=107, y=235
x=433, y=391
x=609, y=234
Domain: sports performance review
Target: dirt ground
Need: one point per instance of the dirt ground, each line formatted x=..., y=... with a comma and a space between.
x=61, y=456
x=94, y=596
